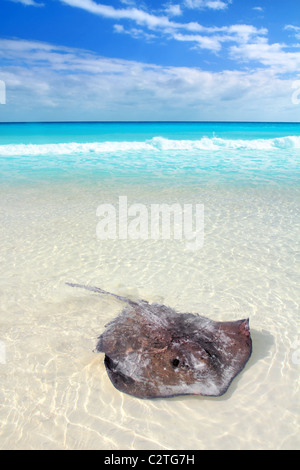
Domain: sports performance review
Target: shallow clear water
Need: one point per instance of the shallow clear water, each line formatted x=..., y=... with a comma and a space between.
x=54, y=392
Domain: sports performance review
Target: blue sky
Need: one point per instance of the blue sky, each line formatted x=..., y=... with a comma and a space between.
x=150, y=60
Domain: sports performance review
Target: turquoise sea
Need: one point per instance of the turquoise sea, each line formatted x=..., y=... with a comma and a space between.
x=175, y=153
x=54, y=391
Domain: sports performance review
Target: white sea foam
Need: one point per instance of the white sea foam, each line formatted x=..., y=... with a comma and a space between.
x=154, y=144
x=216, y=143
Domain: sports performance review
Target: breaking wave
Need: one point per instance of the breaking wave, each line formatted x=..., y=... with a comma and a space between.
x=154, y=144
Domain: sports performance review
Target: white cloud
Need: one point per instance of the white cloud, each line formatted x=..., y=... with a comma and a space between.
x=129, y=2
x=294, y=29
x=258, y=9
x=203, y=37
x=119, y=28
x=141, y=17
x=48, y=82
x=136, y=33
x=29, y=3
x=204, y=42
x=239, y=34
x=213, y=4
x=273, y=56
x=172, y=10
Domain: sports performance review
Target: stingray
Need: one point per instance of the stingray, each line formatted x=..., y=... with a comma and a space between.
x=152, y=351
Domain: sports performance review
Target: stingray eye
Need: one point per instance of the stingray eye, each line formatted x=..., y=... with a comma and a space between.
x=175, y=362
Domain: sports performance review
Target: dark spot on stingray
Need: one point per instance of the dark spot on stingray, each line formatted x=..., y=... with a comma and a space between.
x=175, y=362
x=153, y=351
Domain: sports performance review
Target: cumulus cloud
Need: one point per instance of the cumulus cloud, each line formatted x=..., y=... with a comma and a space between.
x=274, y=56
x=48, y=82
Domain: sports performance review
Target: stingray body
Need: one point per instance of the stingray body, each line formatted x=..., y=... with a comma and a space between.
x=152, y=351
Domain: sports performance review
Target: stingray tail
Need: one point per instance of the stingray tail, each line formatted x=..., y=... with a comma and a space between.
x=101, y=291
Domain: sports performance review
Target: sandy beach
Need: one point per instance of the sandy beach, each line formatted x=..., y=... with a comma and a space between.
x=55, y=393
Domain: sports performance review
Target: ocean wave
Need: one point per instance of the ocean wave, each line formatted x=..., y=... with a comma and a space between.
x=154, y=144
x=217, y=143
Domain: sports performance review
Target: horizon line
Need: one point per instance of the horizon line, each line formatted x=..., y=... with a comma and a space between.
x=150, y=122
